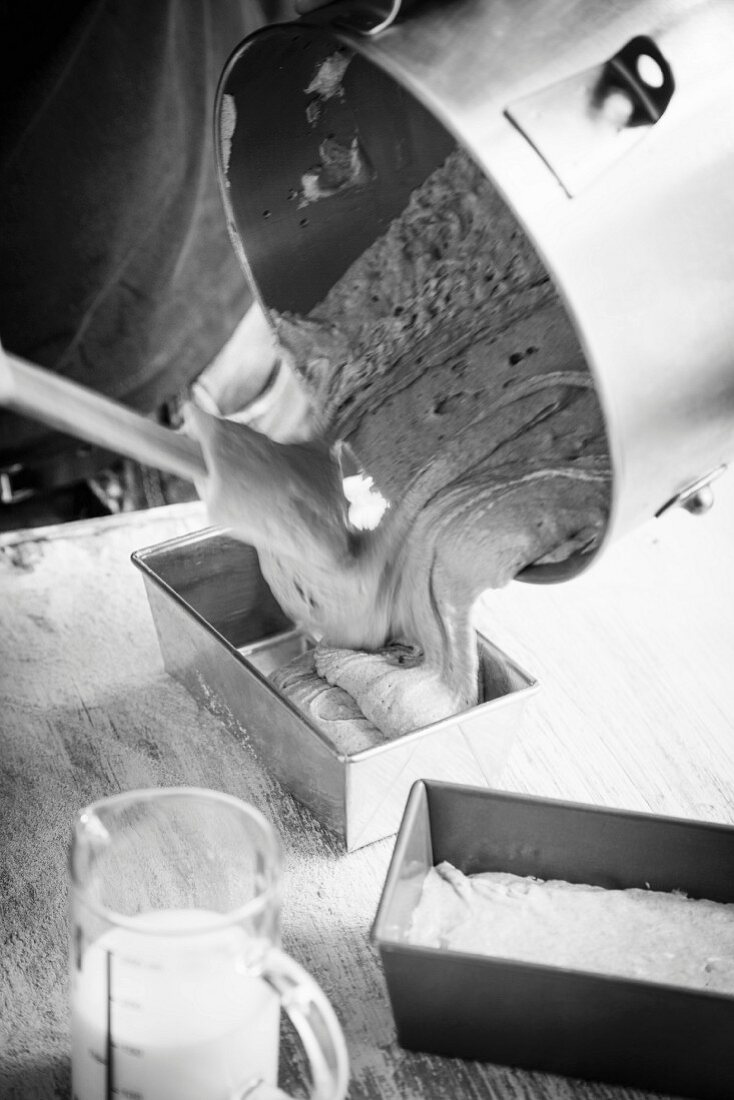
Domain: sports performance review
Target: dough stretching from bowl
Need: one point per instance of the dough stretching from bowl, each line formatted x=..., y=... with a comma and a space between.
x=444, y=358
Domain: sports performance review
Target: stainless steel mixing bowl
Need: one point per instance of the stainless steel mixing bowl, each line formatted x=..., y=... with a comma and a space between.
x=608, y=129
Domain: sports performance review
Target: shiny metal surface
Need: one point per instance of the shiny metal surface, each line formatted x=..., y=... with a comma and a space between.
x=667, y=1038
x=698, y=497
x=583, y=124
x=221, y=633
x=368, y=17
x=641, y=255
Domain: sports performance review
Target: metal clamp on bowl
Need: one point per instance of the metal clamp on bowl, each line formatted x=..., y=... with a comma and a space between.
x=582, y=124
x=367, y=18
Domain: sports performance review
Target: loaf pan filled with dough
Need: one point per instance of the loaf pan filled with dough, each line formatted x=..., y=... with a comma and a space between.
x=223, y=635
x=563, y=937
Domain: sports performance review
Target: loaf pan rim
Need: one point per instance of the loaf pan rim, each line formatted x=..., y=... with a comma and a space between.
x=140, y=558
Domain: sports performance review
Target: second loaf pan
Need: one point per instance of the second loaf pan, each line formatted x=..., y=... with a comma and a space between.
x=602, y=1027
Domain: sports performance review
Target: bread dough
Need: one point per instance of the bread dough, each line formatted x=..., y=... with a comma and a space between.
x=394, y=687
x=445, y=359
x=331, y=709
x=358, y=699
x=645, y=934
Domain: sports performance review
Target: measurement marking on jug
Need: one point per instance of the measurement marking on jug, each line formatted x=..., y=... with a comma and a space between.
x=132, y=1052
x=108, y=1069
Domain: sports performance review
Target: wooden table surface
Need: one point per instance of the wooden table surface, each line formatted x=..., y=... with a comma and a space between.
x=636, y=710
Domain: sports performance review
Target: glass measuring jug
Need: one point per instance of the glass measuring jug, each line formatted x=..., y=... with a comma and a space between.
x=176, y=975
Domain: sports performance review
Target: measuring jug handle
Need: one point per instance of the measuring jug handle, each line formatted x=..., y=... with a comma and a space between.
x=318, y=1029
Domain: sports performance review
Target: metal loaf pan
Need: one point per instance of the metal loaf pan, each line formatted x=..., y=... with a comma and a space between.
x=221, y=632
x=661, y=1037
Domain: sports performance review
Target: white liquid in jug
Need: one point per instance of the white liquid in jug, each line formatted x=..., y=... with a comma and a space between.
x=171, y=1017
